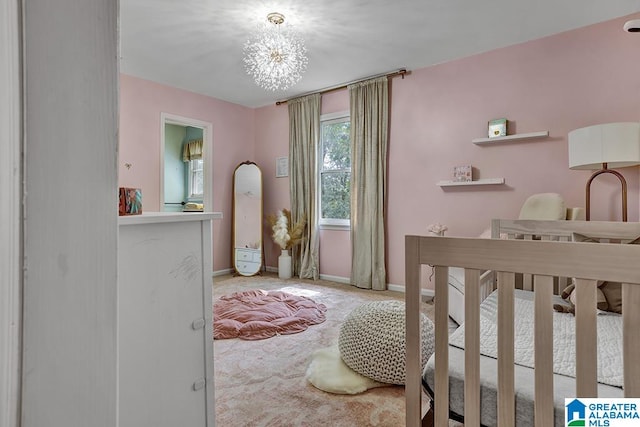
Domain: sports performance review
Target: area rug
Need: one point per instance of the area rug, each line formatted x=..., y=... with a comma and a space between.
x=257, y=314
x=262, y=383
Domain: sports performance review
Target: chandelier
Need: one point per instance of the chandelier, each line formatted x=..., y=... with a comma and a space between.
x=275, y=56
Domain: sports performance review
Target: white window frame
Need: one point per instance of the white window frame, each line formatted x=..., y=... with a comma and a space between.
x=329, y=224
x=190, y=177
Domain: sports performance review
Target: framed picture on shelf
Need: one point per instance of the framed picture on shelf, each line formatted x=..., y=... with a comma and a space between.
x=462, y=173
x=497, y=127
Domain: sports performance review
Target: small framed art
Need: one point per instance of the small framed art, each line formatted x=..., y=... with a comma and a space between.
x=462, y=173
x=497, y=127
x=282, y=167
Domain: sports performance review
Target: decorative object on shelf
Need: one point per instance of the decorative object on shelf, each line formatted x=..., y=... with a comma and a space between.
x=497, y=127
x=462, y=173
x=275, y=55
x=130, y=201
x=602, y=146
x=286, y=235
x=437, y=229
x=193, y=207
x=511, y=138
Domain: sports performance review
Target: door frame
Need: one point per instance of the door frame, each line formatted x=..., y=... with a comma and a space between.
x=11, y=256
x=207, y=154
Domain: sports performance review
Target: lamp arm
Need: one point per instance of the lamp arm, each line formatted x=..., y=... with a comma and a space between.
x=623, y=183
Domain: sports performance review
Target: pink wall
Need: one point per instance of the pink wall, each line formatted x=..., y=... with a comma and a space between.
x=272, y=141
x=559, y=83
x=141, y=103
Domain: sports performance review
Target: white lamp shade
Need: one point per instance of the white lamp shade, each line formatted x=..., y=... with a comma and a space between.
x=617, y=144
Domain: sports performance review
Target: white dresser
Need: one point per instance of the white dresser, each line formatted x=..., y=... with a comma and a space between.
x=165, y=331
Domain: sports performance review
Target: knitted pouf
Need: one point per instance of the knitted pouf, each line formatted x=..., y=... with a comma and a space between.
x=372, y=341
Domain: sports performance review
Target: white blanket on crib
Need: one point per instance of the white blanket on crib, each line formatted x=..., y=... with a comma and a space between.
x=564, y=343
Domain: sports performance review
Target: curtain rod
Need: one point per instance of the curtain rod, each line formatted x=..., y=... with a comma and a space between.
x=399, y=72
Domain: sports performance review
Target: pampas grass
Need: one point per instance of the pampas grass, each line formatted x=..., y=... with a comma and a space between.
x=285, y=233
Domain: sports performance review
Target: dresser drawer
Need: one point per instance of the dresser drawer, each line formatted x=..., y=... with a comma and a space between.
x=251, y=255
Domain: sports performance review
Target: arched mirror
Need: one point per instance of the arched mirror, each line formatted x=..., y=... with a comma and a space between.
x=247, y=219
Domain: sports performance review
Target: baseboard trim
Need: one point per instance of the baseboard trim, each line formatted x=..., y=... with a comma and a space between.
x=337, y=279
x=222, y=272
x=426, y=293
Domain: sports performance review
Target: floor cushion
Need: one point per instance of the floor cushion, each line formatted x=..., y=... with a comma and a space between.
x=372, y=341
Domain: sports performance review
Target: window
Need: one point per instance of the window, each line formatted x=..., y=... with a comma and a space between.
x=195, y=179
x=335, y=169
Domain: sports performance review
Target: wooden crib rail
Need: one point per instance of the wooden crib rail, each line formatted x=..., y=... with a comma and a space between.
x=543, y=260
x=604, y=231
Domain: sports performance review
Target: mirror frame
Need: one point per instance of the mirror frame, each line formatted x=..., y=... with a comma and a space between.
x=207, y=137
x=234, y=222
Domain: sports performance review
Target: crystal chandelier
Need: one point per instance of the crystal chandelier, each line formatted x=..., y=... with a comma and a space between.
x=275, y=56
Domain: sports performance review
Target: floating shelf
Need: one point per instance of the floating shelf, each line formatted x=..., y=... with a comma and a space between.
x=486, y=181
x=514, y=137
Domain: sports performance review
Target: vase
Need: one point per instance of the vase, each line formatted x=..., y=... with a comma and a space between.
x=284, y=265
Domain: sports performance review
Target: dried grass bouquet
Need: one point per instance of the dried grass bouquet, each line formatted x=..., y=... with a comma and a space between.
x=286, y=234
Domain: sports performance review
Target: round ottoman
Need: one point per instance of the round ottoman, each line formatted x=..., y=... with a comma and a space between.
x=372, y=341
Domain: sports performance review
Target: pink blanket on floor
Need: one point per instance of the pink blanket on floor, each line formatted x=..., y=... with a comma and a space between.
x=257, y=314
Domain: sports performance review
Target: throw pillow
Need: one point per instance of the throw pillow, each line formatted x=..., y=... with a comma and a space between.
x=569, y=295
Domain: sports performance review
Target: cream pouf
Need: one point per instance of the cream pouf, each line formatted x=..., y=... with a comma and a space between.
x=372, y=341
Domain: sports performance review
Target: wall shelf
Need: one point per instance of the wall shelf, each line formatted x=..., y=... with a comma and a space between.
x=486, y=181
x=511, y=138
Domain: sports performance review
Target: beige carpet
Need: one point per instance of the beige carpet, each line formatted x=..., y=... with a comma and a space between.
x=262, y=383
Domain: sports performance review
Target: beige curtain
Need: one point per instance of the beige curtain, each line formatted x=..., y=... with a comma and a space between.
x=369, y=103
x=192, y=150
x=304, y=130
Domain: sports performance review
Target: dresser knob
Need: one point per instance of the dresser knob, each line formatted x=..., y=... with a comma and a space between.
x=197, y=324
x=199, y=384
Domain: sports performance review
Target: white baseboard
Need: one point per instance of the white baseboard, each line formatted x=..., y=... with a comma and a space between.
x=222, y=272
x=226, y=271
x=426, y=293
x=337, y=279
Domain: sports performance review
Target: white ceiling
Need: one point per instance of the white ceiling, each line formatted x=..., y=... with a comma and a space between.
x=197, y=44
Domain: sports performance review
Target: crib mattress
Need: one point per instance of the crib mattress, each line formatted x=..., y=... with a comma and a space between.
x=564, y=386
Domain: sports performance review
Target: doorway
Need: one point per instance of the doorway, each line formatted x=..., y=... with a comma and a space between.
x=179, y=179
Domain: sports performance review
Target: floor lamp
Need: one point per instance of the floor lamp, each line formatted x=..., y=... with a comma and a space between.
x=600, y=147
